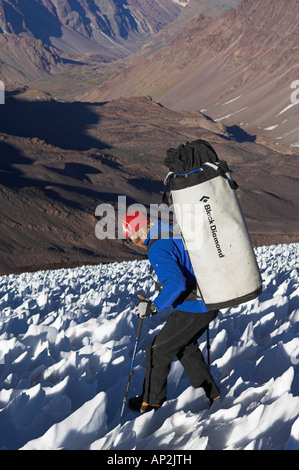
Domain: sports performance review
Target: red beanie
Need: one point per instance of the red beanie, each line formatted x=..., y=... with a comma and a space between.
x=132, y=222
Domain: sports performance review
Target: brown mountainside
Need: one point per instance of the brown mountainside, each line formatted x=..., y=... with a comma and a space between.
x=24, y=58
x=239, y=68
x=211, y=8
x=35, y=35
x=60, y=160
x=79, y=26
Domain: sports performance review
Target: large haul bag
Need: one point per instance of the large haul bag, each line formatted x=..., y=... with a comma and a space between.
x=212, y=226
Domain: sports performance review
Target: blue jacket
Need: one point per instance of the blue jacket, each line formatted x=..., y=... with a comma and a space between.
x=171, y=264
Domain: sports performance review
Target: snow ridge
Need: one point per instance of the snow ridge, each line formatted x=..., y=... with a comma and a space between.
x=66, y=339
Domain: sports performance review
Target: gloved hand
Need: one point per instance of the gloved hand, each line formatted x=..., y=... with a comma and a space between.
x=145, y=308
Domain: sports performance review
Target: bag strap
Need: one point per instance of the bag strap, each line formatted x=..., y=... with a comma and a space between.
x=151, y=269
x=217, y=167
x=166, y=198
x=190, y=294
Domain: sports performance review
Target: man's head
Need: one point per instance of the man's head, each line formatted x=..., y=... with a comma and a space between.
x=135, y=227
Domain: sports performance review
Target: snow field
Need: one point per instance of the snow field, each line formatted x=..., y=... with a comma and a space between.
x=66, y=340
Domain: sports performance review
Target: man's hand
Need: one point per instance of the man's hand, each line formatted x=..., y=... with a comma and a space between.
x=145, y=308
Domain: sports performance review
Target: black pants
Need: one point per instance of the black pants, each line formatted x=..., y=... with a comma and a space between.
x=178, y=338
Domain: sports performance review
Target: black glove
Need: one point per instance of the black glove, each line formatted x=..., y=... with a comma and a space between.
x=145, y=308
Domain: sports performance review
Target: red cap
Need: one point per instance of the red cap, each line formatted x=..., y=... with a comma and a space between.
x=132, y=222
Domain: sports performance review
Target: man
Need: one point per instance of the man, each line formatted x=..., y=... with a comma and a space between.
x=183, y=327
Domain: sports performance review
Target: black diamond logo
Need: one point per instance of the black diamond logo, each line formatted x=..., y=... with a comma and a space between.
x=204, y=199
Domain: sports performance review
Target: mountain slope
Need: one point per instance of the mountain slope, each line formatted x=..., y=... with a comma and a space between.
x=60, y=160
x=86, y=27
x=211, y=8
x=24, y=58
x=241, y=65
x=36, y=33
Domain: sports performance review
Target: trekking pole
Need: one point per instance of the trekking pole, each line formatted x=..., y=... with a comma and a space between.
x=208, y=346
x=131, y=372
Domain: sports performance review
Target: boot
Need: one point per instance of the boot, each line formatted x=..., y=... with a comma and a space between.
x=139, y=406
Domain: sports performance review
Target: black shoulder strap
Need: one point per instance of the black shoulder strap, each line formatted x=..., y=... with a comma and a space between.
x=190, y=293
x=218, y=168
x=151, y=269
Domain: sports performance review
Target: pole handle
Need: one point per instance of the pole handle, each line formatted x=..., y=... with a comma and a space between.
x=140, y=297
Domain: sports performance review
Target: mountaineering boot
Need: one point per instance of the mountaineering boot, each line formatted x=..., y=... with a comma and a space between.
x=212, y=391
x=139, y=406
x=212, y=400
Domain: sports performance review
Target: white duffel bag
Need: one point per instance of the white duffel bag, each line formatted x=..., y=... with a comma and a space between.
x=208, y=213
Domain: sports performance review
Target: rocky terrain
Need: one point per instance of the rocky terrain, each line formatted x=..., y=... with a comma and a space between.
x=68, y=145
x=238, y=69
x=24, y=58
x=210, y=8
x=45, y=38
x=60, y=160
x=36, y=34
